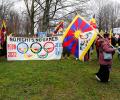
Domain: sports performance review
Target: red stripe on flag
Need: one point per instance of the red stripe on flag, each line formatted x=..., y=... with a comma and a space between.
x=65, y=44
x=74, y=48
x=88, y=29
x=76, y=23
x=82, y=25
x=70, y=33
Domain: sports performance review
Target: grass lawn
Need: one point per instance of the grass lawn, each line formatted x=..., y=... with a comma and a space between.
x=57, y=80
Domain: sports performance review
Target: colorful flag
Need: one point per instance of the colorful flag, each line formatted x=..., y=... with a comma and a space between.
x=110, y=36
x=3, y=26
x=3, y=31
x=59, y=27
x=93, y=22
x=101, y=32
x=0, y=40
x=78, y=37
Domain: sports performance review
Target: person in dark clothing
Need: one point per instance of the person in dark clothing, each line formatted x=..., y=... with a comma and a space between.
x=87, y=56
x=119, y=41
x=105, y=62
x=113, y=41
x=66, y=53
x=4, y=50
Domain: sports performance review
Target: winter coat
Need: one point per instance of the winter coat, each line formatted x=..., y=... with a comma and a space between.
x=105, y=47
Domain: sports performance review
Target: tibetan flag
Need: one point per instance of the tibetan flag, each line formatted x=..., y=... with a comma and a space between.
x=3, y=26
x=78, y=37
x=93, y=22
x=101, y=32
x=0, y=40
x=59, y=27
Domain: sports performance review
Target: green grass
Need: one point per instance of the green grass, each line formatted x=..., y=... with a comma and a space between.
x=56, y=80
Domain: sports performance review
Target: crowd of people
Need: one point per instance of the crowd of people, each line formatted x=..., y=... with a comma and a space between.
x=105, y=49
x=115, y=40
x=3, y=49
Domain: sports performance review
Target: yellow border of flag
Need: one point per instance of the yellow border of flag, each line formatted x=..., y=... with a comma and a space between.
x=91, y=41
x=88, y=46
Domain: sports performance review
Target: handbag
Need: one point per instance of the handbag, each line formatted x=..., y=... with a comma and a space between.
x=107, y=56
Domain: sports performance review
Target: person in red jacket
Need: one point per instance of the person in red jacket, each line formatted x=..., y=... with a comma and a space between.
x=97, y=44
x=105, y=60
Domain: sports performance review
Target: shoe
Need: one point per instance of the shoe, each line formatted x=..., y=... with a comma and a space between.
x=68, y=57
x=97, y=78
x=76, y=58
x=63, y=57
x=109, y=80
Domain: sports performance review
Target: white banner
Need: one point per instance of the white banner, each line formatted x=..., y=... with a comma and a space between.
x=85, y=42
x=116, y=30
x=21, y=48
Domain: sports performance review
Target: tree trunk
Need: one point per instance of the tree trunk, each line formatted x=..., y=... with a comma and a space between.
x=32, y=26
x=45, y=23
x=32, y=17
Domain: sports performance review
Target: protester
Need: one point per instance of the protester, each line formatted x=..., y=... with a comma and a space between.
x=118, y=52
x=105, y=60
x=118, y=48
x=97, y=44
x=87, y=56
x=4, y=50
x=92, y=48
x=119, y=41
x=113, y=41
x=66, y=53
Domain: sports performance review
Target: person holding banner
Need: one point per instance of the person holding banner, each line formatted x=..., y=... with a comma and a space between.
x=105, y=60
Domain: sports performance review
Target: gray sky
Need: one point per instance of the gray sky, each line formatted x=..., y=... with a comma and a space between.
x=20, y=6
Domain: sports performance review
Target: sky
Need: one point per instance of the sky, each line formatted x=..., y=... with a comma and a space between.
x=117, y=1
x=20, y=5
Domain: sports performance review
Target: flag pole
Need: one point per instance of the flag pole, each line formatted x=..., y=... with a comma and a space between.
x=104, y=39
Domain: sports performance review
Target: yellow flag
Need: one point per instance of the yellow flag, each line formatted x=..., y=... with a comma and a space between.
x=3, y=24
x=102, y=32
x=110, y=35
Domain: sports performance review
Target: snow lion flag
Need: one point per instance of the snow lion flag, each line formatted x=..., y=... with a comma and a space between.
x=78, y=37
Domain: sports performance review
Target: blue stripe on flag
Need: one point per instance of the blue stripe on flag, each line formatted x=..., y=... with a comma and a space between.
x=79, y=22
x=71, y=45
x=73, y=27
x=77, y=52
x=85, y=27
x=67, y=38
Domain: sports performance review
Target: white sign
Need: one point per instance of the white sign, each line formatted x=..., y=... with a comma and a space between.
x=21, y=48
x=116, y=30
x=42, y=34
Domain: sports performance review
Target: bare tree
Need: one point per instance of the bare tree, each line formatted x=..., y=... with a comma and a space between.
x=10, y=15
x=31, y=12
x=106, y=13
x=5, y=7
x=114, y=15
x=13, y=22
x=58, y=9
x=45, y=11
